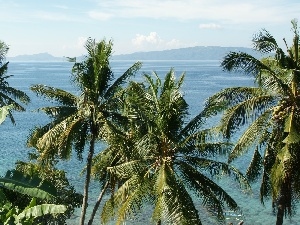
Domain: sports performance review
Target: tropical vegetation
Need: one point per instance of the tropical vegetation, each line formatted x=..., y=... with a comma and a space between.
x=9, y=95
x=165, y=161
x=31, y=186
x=80, y=121
x=267, y=117
x=145, y=151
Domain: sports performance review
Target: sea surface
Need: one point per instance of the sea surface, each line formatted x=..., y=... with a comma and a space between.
x=202, y=79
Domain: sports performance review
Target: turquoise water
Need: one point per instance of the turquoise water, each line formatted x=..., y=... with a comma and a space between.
x=203, y=78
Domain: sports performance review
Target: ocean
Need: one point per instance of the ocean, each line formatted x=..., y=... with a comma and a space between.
x=202, y=79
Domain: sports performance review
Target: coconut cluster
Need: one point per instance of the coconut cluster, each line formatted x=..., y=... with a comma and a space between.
x=281, y=110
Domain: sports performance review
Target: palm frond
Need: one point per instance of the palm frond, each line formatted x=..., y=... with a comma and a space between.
x=153, y=89
x=3, y=51
x=174, y=204
x=58, y=112
x=244, y=112
x=133, y=203
x=255, y=167
x=251, y=136
x=229, y=97
x=7, y=100
x=217, y=168
x=112, y=205
x=56, y=94
x=195, y=123
x=243, y=62
x=131, y=71
x=204, y=143
x=264, y=42
x=15, y=94
x=58, y=139
x=292, y=129
x=3, y=70
x=128, y=169
x=212, y=195
x=265, y=187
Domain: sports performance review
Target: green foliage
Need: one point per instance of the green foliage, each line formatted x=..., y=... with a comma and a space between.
x=40, y=210
x=267, y=116
x=9, y=96
x=66, y=193
x=32, y=186
x=81, y=121
x=12, y=215
x=162, y=160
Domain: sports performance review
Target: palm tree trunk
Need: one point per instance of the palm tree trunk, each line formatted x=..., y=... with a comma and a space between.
x=87, y=179
x=284, y=201
x=280, y=213
x=98, y=203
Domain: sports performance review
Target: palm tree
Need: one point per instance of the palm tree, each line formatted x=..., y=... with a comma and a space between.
x=269, y=114
x=168, y=159
x=8, y=94
x=81, y=119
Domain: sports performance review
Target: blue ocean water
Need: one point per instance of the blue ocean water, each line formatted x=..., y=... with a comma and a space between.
x=202, y=79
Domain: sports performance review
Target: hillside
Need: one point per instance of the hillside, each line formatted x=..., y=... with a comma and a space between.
x=191, y=53
x=40, y=57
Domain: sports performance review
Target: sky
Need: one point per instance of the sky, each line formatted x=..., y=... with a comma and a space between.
x=61, y=27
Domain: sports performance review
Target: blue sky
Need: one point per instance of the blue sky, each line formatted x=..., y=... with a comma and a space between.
x=60, y=27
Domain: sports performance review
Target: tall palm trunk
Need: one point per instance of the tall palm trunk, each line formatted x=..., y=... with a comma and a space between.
x=98, y=203
x=284, y=202
x=88, y=177
x=280, y=213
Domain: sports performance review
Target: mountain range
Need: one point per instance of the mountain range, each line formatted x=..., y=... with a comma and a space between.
x=190, y=53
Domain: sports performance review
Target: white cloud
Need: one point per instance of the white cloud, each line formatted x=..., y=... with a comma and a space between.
x=209, y=26
x=152, y=38
x=153, y=42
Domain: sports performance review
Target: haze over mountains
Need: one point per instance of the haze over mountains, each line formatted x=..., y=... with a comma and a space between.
x=191, y=53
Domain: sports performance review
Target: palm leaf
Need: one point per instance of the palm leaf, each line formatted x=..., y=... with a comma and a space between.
x=292, y=129
x=264, y=42
x=3, y=50
x=119, y=81
x=177, y=206
x=255, y=167
x=128, y=169
x=242, y=62
x=251, y=136
x=57, y=94
x=58, y=139
x=116, y=200
x=212, y=195
x=243, y=112
x=135, y=200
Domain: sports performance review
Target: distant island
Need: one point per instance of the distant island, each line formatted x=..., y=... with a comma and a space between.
x=191, y=53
